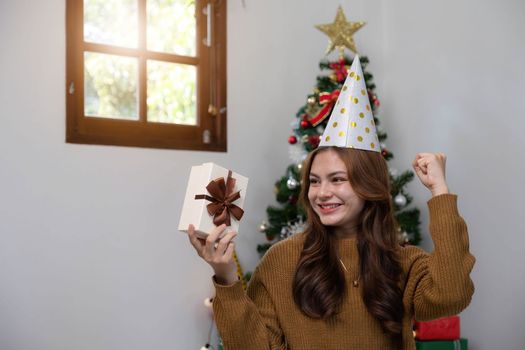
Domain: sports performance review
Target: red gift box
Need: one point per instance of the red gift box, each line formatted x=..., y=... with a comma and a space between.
x=445, y=328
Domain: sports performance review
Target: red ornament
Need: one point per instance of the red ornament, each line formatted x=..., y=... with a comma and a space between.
x=292, y=199
x=384, y=153
x=339, y=69
x=314, y=140
x=304, y=124
x=269, y=237
x=374, y=98
x=292, y=140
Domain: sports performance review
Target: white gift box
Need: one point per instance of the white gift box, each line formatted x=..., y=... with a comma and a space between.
x=195, y=211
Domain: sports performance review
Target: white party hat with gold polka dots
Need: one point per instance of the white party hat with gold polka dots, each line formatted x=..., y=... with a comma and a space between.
x=351, y=124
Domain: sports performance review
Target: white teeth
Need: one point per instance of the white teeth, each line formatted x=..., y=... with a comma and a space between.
x=331, y=206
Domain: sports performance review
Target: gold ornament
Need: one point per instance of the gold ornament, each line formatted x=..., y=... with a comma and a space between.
x=340, y=32
x=240, y=274
x=312, y=110
x=311, y=100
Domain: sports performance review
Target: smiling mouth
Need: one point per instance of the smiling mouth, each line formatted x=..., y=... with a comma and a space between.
x=328, y=206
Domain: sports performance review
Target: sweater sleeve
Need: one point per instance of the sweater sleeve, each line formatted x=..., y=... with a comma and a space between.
x=247, y=320
x=440, y=280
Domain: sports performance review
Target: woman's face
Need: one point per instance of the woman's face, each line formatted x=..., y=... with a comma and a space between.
x=331, y=195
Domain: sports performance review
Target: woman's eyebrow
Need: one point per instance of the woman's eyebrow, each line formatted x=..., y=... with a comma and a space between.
x=339, y=172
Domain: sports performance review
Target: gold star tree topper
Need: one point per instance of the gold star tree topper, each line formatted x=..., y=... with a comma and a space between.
x=340, y=32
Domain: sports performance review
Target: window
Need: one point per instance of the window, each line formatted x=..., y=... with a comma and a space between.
x=147, y=73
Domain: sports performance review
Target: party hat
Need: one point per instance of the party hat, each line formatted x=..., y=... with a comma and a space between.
x=351, y=124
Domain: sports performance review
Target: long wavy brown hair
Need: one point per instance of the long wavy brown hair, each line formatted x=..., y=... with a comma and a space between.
x=319, y=283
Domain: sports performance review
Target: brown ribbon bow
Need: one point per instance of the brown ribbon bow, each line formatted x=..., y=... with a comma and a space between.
x=221, y=199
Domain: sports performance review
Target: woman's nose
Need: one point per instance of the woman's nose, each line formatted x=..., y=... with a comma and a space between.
x=325, y=190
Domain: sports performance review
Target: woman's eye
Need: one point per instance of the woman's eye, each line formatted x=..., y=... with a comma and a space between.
x=339, y=179
x=313, y=181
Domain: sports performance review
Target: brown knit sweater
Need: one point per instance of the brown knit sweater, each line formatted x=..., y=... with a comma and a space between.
x=265, y=317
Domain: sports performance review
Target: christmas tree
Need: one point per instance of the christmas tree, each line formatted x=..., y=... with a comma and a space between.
x=309, y=123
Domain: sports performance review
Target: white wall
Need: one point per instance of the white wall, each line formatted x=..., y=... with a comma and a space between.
x=89, y=254
x=90, y=257
x=453, y=82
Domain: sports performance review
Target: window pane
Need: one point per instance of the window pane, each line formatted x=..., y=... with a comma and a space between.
x=110, y=86
x=172, y=26
x=111, y=22
x=172, y=93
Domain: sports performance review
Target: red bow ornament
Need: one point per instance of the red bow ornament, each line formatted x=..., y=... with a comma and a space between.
x=328, y=100
x=340, y=69
x=222, y=195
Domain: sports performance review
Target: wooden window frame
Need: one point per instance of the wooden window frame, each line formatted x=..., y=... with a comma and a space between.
x=210, y=132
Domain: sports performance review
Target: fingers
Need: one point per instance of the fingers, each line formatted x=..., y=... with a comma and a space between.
x=225, y=243
x=420, y=164
x=424, y=160
x=196, y=242
x=212, y=238
x=214, y=250
x=417, y=169
x=430, y=168
x=427, y=155
x=443, y=159
x=218, y=253
x=228, y=254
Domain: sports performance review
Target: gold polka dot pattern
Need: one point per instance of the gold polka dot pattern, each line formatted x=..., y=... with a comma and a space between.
x=351, y=122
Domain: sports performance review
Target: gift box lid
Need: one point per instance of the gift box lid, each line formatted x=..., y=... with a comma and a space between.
x=444, y=328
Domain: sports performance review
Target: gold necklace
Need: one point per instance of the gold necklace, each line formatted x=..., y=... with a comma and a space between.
x=355, y=282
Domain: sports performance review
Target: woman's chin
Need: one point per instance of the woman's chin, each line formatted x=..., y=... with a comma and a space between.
x=327, y=221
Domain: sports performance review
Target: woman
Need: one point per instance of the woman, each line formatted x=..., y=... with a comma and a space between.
x=345, y=283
